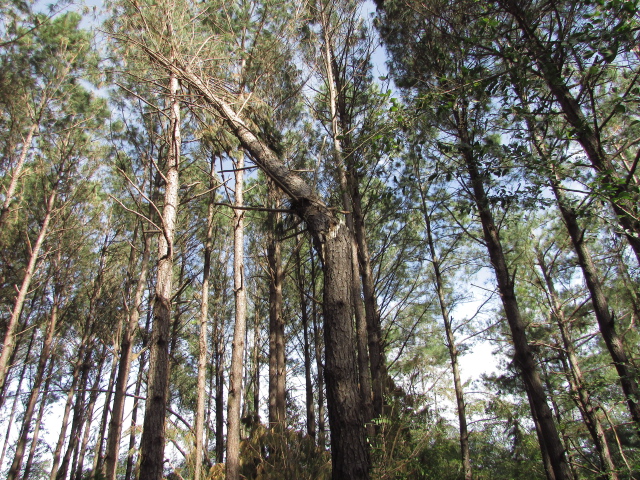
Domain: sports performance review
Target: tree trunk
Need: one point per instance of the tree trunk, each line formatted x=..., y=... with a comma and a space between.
x=98, y=456
x=335, y=88
x=604, y=315
x=524, y=358
x=450, y=339
x=372, y=313
x=349, y=449
x=124, y=366
x=256, y=364
x=10, y=336
x=17, y=395
x=576, y=380
x=277, y=394
x=14, y=470
x=36, y=433
x=15, y=176
x=84, y=362
x=77, y=470
x=317, y=342
x=136, y=396
x=153, y=430
x=204, y=320
x=304, y=314
x=237, y=352
x=55, y=464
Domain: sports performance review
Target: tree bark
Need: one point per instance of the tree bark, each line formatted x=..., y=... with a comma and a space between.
x=450, y=339
x=153, y=430
x=581, y=395
x=237, y=352
x=349, y=447
x=524, y=359
x=202, y=339
x=277, y=367
x=604, y=315
x=10, y=336
x=14, y=470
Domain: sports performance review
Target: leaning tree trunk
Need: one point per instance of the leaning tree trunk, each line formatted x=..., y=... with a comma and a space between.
x=15, y=175
x=16, y=396
x=57, y=453
x=14, y=470
x=237, y=351
x=450, y=339
x=576, y=378
x=349, y=448
x=36, y=433
x=524, y=359
x=10, y=336
x=604, y=315
x=153, y=430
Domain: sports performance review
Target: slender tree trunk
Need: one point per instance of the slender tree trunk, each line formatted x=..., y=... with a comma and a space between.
x=219, y=374
x=576, y=379
x=77, y=470
x=204, y=320
x=14, y=470
x=237, y=352
x=524, y=358
x=317, y=342
x=36, y=433
x=10, y=335
x=16, y=397
x=450, y=339
x=98, y=456
x=304, y=314
x=153, y=430
x=15, y=176
x=134, y=411
x=55, y=464
x=256, y=364
x=277, y=367
x=84, y=360
x=374, y=326
x=604, y=315
x=556, y=411
x=218, y=349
